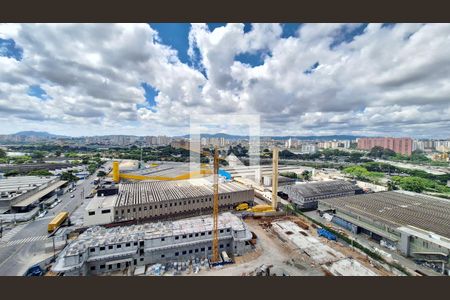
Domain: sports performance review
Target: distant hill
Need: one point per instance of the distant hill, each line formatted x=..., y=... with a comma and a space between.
x=41, y=134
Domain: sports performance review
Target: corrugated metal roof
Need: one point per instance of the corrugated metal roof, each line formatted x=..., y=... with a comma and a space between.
x=35, y=197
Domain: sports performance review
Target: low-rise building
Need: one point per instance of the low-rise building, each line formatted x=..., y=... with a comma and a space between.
x=156, y=200
x=99, y=250
x=305, y=196
x=416, y=224
x=20, y=193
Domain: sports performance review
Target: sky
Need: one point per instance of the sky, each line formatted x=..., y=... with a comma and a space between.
x=299, y=79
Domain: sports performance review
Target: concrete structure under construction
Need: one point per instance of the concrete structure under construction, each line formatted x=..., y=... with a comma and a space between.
x=18, y=194
x=157, y=200
x=305, y=196
x=100, y=250
x=418, y=225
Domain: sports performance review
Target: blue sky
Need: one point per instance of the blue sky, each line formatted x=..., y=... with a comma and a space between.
x=9, y=49
x=299, y=78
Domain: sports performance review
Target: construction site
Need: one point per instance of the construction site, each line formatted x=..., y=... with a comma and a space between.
x=203, y=223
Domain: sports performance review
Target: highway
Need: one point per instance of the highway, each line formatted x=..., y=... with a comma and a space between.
x=24, y=245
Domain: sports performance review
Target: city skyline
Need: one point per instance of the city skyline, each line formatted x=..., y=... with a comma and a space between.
x=302, y=79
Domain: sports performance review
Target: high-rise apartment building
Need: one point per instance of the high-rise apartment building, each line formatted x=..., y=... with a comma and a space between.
x=398, y=145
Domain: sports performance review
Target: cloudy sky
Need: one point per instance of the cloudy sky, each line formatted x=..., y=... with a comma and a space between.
x=301, y=79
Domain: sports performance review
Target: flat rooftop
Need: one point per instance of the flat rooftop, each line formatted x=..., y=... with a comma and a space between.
x=156, y=191
x=398, y=209
x=24, y=183
x=97, y=236
x=311, y=189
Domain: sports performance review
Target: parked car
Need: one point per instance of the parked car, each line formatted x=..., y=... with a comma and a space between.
x=42, y=214
x=72, y=195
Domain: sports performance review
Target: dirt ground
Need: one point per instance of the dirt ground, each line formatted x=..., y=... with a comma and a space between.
x=270, y=250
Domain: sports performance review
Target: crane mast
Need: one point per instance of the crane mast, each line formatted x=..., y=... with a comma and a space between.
x=215, y=254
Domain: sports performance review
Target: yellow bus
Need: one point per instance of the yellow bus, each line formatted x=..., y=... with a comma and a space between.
x=57, y=221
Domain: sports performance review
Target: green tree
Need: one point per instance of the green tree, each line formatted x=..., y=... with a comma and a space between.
x=306, y=175
x=101, y=174
x=2, y=153
x=69, y=176
x=11, y=173
x=40, y=173
x=38, y=155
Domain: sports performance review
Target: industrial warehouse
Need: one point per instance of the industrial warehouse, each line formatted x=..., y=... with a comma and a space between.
x=162, y=199
x=99, y=250
x=305, y=196
x=418, y=225
x=21, y=193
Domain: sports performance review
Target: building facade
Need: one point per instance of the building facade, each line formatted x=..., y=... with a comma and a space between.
x=155, y=200
x=100, y=250
x=398, y=145
x=305, y=196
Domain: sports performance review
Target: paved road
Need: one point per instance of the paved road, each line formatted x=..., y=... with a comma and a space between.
x=24, y=245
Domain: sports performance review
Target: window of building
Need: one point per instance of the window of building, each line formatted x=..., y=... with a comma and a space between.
x=92, y=250
x=202, y=233
x=106, y=211
x=177, y=237
x=198, y=200
x=221, y=246
x=163, y=239
x=162, y=256
x=110, y=247
x=118, y=265
x=141, y=259
x=145, y=207
x=134, y=209
x=209, y=232
x=184, y=252
x=123, y=211
x=117, y=212
x=102, y=248
x=91, y=213
x=190, y=235
x=228, y=230
x=177, y=253
x=102, y=266
x=92, y=268
x=228, y=245
x=190, y=251
x=175, y=204
x=202, y=200
x=141, y=243
x=135, y=243
x=150, y=207
x=184, y=236
x=196, y=234
x=119, y=246
x=127, y=245
x=170, y=205
x=202, y=249
x=209, y=248
x=140, y=208
x=221, y=230
x=128, y=210
x=196, y=250
x=160, y=206
x=109, y=267
x=184, y=202
x=165, y=205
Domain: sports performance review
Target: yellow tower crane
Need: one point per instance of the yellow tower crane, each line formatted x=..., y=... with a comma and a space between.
x=116, y=175
x=215, y=254
x=275, y=178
